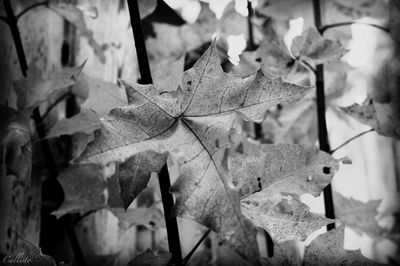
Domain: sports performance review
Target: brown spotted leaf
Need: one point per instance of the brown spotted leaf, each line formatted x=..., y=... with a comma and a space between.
x=284, y=217
x=287, y=168
x=327, y=249
x=193, y=125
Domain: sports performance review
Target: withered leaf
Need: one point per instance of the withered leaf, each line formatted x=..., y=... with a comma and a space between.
x=379, y=116
x=327, y=249
x=28, y=254
x=193, y=125
x=283, y=217
x=287, y=168
x=149, y=258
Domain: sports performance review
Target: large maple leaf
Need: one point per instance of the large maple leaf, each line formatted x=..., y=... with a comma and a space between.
x=193, y=125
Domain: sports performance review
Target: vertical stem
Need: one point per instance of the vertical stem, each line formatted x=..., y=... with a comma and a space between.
x=322, y=129
x=251, y=44
x=170, y=221
x=141, y=52
x=165, y=183
x=12, y=22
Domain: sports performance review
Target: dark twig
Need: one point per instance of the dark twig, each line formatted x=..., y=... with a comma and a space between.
x=251, y=44
x=341, y=24
x=190, y=254
x=310, y=67
x=165, y=183
x=12, y=22
x=23, y=12
x=322, y=129
x=350, y=140
x=54, y=104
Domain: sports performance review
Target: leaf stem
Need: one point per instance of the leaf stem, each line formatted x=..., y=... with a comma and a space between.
x=310, y=67
x=190, y=254
x=351, y=139
x=322, y=129
x=322, y=29
x=54, y=104
x=12, y=22
x=165, y=183
x=23, y=12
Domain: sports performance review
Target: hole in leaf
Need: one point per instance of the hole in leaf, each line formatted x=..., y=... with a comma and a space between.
x=217, y=143
x=152, y=224
x=326, y=170
x=258, y=59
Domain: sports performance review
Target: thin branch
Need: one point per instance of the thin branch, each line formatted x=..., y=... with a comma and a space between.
x=54, y=104
x=310, y=67
x=163, y=177
x=23, y=12
x=321, y=110
x=190, y=254
x=351, y=139
x=347, y=23
x=251, y=44
x=12, y=22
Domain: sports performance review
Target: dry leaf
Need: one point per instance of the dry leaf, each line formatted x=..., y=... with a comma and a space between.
x=327, y=249
x=193, y=124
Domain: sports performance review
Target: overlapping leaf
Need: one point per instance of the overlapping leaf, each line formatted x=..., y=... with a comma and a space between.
x=87, y=190
x=84, y=122
x=327, y=249
x=287, y=168
x=358, y=215
x=28, y=254
x=193, y=125
x=149, y=258
x=378, y=116
x=38, y=87
x=316, y=49
x=274, y=57
x=269, y=177
x=103, y=96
